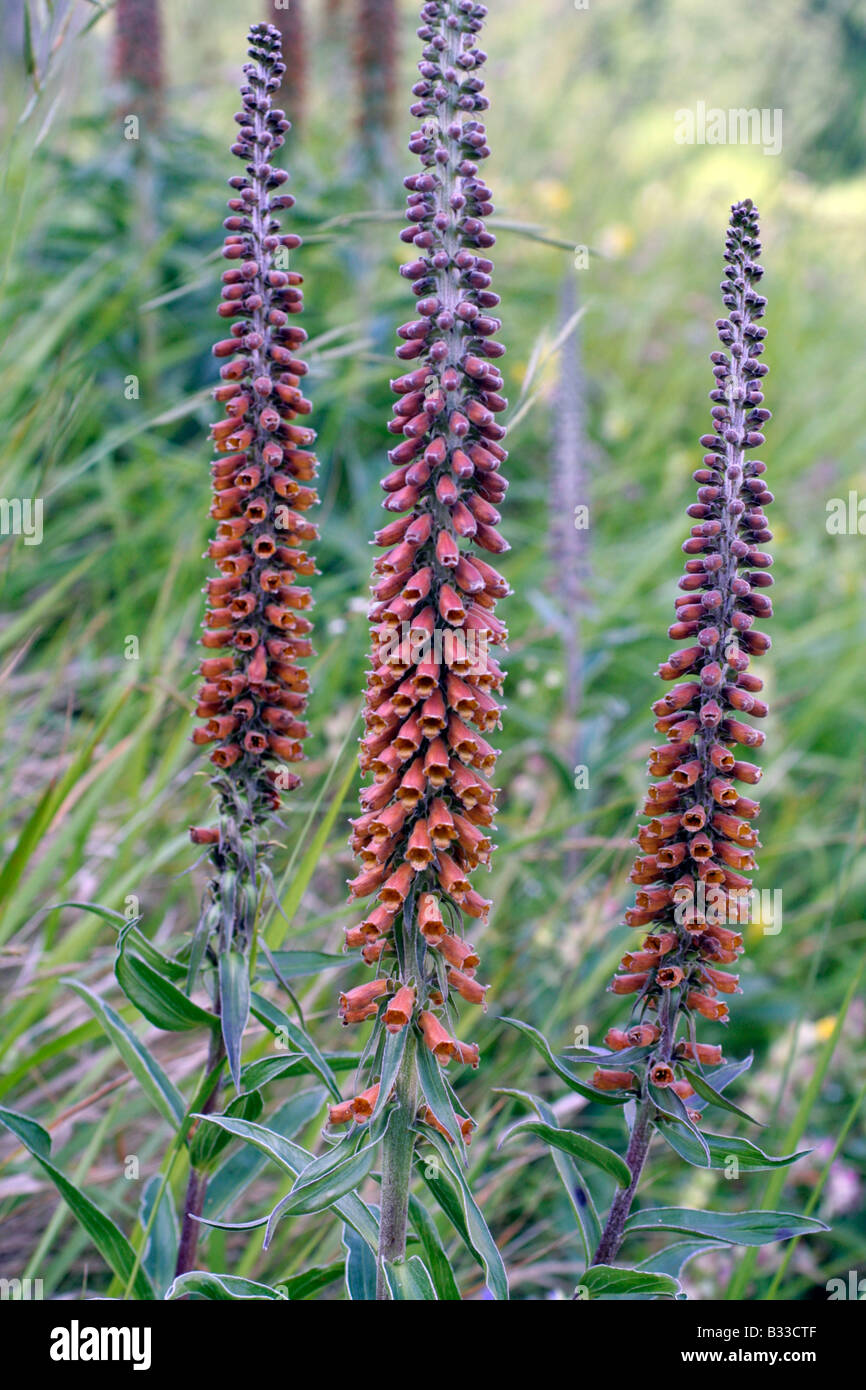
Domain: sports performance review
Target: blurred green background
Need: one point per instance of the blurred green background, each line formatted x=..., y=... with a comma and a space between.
x=109, y=271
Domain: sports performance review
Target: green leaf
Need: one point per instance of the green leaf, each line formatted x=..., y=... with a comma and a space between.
x=157, y=998
x=311, y=1282
x=436, y=1092
x=145, y=1068
x=236, y=1172
x=294, y=964
x=674, y=1258
x=608, y=1282
x=602, y=1058
x=319, y=1189
x=109, y=1240
x=712, y=1096
x=256, y=1075
x=540, y=1044
x=577, y=1191
x=326, y=1190
x=576, y=1146
x=295, y=1037
x=160, y=1253
x=677, y=1114
x=207, y=1143
x=724, y=1075
x=36, y=1140
x=721, y=1148
x=293, y=1159
x=477, y=1231
x=392, y=1056
x=738, y=1228
x=128, y=926
x=360, y=1268
x=234, y=982
x=216, y=1287
x=437, y=1261
x=409, y=1280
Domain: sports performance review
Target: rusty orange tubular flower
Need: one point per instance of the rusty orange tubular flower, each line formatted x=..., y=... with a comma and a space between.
x=427, y=813
x=431, y=702
x=256, y=626
x=697, y=847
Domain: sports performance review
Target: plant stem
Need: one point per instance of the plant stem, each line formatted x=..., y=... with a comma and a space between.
x=197, y=1184
x=612, y=1235
x=398, y=1147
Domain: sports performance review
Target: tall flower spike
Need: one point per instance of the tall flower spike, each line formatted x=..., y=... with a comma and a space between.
x=254, y=692
x=698, y=845
x=428, y=814
x=430, y=694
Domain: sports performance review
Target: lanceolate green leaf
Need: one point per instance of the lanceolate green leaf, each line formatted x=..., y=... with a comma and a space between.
x=294, y=964
x=434, y=1252
x=160, y=1255
x=476, y=1227
x=199, y=1284
x=208, y=1142
x=539, y=1042
x=674, y=1258
x=293, y=1160
x=239, y=1169
x=409, y=1280
x=295, y=1038
x=671, y=1109
x=607, y=1282
x=576, y=1146
x=109, y=1240
x=579, y=1196
x=327, y=1189
x=157, y=998
x=392, y=1056
x=360, y=1268
x=144, y=1067
x=721, y=1149
x=234, y=983
x=712, y=1096
x=435, y=1091
x=738, y=1228
x=311, y=1281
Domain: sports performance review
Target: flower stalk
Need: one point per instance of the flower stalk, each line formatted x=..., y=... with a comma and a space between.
x=698, y=846
x=256, y=631
x=428, y=814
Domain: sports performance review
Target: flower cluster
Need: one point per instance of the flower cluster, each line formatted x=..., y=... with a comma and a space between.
x=431, y=693
x=698, y=846
x=254, y=692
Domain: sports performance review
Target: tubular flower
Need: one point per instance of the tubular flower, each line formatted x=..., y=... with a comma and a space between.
x=698, y=844
x=256, y=629
x=427, y=815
